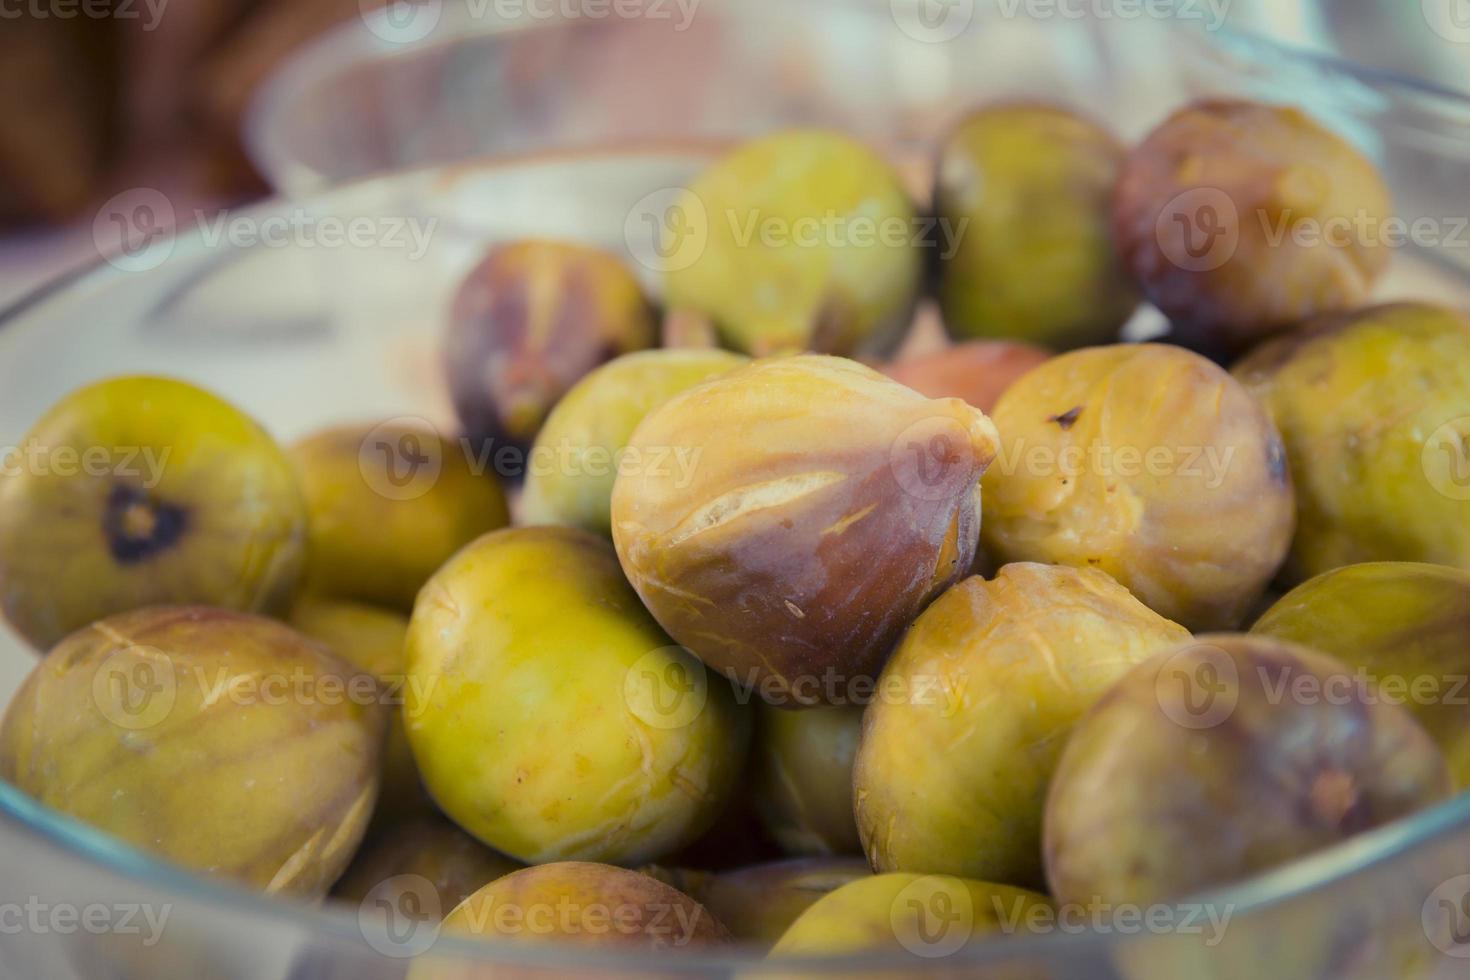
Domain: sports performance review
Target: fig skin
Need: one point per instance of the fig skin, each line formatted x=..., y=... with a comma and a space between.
x=429, y=849
x=589, y=905
x=221, y=763
x=869, y=913
x=529, y=642
x=759, y=902
x=1151, y=464
x=1374, y=407
x=1206, y=764
x=372, y=640
x=528, y=323
x=1011, y=666
x=803, y=777
x=1225, y=280
x=195, y=504
x=757, y=256
x=1403, y=624
x=377, y=541
x=587, y=433
x=819, y=508
x=1028, y=189
x=738, y=838
x=979, y=371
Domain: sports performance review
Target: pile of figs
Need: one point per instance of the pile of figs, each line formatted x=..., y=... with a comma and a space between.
x=786, y=640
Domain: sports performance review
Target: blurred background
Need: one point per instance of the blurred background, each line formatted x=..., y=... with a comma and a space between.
x=97, y=96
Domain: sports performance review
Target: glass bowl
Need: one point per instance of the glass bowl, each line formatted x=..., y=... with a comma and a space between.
x=569, y=126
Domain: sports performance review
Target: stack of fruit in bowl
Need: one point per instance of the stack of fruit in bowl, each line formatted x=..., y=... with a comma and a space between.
x=783, y=639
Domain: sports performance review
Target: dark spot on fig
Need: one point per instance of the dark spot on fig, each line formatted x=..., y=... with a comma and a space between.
x=1276, y=461
x=138, y=527
x=1068, y=418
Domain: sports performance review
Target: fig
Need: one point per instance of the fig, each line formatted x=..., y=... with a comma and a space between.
x=585, y=440
x=577, y=903
x=759, y=903
x=139, y=491
x=1149, y=463
x=1404, y=625
x=388, y=505
x=738, y=838
x=428, y=860
x=372, y=640
x=1374, y=407
x=927, y=915
x=1240, y=220
x=803, y=777
x=224, y=742
x=527, y=323
x=992, y=678
x=1027, y=190
x=978, y=371
x=800, y=240
x=1223, y=758
x=550, y=716
x=806, y=510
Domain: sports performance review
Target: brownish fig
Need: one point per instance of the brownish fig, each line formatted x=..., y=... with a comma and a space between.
x=1149, y=463
x=224, y=742
x=1240, y=220
x=1406, y=625
x=1222, y=758
x=979, y=371
x=794, y=515
x=758, y=903
x=529, y=321
x=429, y=861
x=584, y=904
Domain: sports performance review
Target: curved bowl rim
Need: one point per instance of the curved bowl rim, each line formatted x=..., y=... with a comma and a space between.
x=350, y=44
